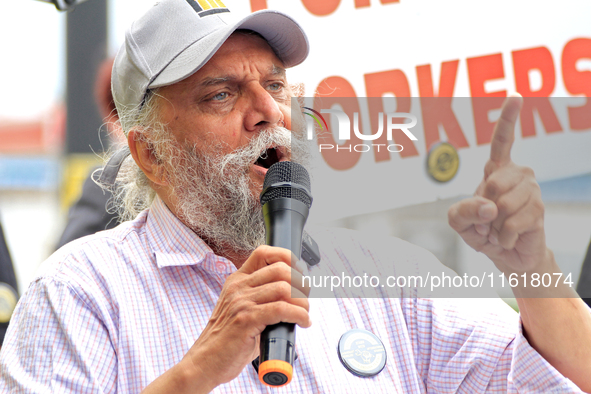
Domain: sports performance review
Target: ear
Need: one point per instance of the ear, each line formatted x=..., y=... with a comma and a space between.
x=143, y=154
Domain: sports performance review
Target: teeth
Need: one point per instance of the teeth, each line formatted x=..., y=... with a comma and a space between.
x=264, y=155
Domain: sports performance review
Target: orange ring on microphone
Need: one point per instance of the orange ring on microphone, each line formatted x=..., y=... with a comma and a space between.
x=278, y=367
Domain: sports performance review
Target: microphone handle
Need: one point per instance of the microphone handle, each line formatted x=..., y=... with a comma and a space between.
x=284, y=224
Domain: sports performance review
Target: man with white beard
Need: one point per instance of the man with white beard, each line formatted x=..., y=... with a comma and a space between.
x=175, y=299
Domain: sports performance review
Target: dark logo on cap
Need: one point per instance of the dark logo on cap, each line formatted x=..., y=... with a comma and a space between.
x=208, y=7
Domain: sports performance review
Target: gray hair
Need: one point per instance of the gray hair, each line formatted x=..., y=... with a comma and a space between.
x=132, y=192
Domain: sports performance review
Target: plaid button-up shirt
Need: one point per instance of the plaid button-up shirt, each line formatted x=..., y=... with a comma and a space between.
x=111, y=312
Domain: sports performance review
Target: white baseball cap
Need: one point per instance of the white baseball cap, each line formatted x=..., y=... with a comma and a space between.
x=175, y=38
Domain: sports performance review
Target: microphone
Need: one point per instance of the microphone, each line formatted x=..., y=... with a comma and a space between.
x=286, y=200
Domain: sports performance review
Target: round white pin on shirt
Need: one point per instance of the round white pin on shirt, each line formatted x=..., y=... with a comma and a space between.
x=362, y=353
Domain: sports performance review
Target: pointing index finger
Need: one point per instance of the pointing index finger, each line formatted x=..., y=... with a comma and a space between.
x=504, y=133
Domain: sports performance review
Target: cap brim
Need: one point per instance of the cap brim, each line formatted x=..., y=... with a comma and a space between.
x=284, y=35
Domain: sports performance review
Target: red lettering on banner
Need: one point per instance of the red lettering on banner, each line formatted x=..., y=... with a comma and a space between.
x=257, y=5
x=321, y=7
x=318, y=7
x=396, y=83
x=577, y=82
x=329, y=92
x=480, y=70
x=436, y=108
x=523, y=62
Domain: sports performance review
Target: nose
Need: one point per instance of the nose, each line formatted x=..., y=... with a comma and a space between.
x=263, y=110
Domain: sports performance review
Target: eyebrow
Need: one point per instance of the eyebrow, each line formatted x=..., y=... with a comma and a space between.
x=276, y=70
x=209, y=81
x=212, y=81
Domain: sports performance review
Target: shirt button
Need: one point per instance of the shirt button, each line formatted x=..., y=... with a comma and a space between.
x=221, y=267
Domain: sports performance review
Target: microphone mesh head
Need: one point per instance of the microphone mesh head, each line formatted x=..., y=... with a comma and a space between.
x=283, y=172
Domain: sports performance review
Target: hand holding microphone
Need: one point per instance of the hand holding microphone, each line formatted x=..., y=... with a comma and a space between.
x=286, y=201
x=260, y=294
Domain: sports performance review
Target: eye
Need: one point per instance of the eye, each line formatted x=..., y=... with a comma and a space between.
x=275, y=86
x=220, y=96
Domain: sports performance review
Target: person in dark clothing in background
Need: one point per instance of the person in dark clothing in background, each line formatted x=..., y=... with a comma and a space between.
x=584, y=284
x=8, y=286
x=90, y=214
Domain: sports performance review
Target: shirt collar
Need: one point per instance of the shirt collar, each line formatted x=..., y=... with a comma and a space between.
x=173, y=243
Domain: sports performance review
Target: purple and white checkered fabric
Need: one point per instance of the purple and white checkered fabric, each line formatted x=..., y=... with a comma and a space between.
x=111, y=312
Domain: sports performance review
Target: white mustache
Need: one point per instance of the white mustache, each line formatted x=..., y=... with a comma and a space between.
x=244, y=157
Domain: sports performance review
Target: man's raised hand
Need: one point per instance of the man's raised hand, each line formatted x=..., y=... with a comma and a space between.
x=505, y=217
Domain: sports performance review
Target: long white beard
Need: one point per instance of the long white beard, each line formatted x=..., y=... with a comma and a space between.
x=215, y=195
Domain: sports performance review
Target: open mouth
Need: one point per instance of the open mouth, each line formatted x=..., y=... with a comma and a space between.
x=269, y=157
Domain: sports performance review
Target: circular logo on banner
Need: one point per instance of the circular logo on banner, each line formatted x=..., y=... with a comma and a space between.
x=362, y=353
x=443, y=162
x=8, y=299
